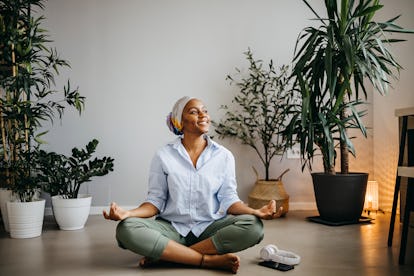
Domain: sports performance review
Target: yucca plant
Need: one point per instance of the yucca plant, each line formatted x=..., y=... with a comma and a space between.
x=28, y=99
x=259, y=109
x=331, y=63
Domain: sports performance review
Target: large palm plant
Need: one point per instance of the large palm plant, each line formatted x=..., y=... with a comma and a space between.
x=331, y=65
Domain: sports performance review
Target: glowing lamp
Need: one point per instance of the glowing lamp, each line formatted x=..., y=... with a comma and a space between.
x=371, y=196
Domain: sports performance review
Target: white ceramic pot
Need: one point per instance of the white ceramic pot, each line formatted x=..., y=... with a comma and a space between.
x=26, y=218
x=71, y=213
x=5, y=195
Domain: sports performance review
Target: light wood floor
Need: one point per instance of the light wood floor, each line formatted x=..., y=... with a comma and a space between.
x=325, y=250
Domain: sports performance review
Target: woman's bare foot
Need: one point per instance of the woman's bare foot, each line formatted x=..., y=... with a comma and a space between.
x=146, y=262
x=229, y=262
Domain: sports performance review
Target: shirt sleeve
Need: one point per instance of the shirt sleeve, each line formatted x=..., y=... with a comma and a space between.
x=157, y=184
x=227, y=194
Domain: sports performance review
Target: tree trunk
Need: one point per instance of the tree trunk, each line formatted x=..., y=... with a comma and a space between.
x=330, y=170
x=3, y=135
x=344, y=151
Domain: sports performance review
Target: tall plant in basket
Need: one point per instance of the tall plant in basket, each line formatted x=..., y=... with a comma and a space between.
x=257, y=116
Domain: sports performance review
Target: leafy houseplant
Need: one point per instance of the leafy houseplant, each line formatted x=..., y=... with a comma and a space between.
x=63, y=175
x=27, y=96
x=348, y=48
x=28, y=99
x=259, y=112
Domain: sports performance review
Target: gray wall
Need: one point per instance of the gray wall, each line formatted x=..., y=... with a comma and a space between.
x=133, y=59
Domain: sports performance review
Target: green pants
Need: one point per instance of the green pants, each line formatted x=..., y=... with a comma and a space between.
x=149, y=237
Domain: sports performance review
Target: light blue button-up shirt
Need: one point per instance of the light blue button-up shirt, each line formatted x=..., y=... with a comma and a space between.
x=192, y=198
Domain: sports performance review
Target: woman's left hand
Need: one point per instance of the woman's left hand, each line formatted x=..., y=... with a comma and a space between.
x=269, y=211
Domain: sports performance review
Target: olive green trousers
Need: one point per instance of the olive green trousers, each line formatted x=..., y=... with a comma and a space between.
x=149, y=237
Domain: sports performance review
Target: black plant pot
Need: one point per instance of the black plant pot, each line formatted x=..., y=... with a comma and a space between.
x=340, y=197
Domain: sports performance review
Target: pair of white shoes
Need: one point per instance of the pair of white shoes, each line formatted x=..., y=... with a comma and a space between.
x=272, y=253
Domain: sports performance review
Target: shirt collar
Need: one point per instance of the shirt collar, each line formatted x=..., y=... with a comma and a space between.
x=210, y=143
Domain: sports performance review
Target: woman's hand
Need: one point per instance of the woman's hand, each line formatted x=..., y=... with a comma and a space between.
x=266, y=212
x=115, y=212
x=145, y=210
x=269, y=211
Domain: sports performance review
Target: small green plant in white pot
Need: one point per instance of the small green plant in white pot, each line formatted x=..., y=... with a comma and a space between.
x=25, y=209
x=62, y=177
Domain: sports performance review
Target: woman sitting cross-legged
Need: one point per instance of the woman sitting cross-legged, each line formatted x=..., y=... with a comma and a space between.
x=200, y=220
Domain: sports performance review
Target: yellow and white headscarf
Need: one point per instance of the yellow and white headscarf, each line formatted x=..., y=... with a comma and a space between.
x=174, y=118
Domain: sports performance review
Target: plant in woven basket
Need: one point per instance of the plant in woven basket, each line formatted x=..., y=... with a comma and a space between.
x=259, y=110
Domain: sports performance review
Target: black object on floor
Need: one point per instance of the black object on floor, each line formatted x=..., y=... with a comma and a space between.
x=318, y=219
x=278, y=266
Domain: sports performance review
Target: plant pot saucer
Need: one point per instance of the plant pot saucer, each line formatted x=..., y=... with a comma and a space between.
x=361, y=220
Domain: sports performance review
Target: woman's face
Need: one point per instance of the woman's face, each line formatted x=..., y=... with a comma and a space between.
x=195, y=118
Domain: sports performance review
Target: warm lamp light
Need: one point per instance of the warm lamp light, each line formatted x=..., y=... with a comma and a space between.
x=371, y=196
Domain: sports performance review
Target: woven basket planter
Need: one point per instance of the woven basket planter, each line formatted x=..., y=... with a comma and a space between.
x=264, y=191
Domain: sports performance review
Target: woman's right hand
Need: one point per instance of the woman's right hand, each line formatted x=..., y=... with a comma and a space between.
x=269, y=211
x=115, y=212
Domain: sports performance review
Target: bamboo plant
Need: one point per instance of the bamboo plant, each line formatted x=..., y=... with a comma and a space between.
x=259, y=109
x=330, y=67
x=28, y=98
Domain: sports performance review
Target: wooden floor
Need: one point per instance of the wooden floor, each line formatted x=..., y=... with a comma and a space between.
x=325, y=250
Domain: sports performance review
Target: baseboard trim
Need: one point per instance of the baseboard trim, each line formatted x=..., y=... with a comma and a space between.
x=97, y=210
x=302, y=206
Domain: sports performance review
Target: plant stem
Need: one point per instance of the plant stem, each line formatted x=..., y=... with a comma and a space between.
x=344, y=149
x=3, y=135
x=16, y=133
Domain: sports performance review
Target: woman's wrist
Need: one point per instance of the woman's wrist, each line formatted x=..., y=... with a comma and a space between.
x=127, y=214
x=255, y=212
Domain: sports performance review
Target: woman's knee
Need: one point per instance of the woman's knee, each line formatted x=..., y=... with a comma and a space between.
x=132, y=231
x=253, y=227
x=125, y=231
x=246, y=231
x=137, y=235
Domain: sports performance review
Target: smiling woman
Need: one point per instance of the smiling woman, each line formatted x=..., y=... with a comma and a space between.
x=195, y=122
x=192, y=191
x=195, y=117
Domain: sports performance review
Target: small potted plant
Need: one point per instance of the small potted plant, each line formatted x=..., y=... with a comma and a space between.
x=24, y=207
x=256, y=119
x=330, y=71
x=62, y=176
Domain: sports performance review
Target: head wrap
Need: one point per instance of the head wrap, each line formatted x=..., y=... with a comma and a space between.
x=174, y=118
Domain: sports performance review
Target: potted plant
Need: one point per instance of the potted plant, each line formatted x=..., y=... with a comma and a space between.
x=330, y=68
x=62, y=176
x=256, y=119
x=27, y=98
x=24, y=208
